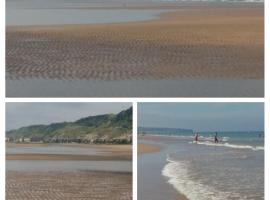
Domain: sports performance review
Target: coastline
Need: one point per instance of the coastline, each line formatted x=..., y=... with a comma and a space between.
x=180, y=159
x=146, y=149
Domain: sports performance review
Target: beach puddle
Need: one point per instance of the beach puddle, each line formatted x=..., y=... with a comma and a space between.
x=135, y=88
x=54, y=16
x=37, y=165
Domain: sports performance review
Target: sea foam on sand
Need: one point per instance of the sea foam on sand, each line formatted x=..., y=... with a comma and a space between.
x=235, y=146
x=181, y=179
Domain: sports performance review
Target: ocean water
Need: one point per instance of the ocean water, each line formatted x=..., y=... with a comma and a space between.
x=232, y=169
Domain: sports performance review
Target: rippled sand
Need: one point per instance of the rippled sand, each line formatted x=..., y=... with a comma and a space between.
x=68, y=185
x=210, y=42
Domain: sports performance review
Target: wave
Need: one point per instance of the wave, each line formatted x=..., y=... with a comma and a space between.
x=211, y=138
x=235, y=146
x=179, y=177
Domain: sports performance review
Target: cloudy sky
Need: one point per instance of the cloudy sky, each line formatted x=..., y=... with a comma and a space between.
x=203, y=116
x=24, y=114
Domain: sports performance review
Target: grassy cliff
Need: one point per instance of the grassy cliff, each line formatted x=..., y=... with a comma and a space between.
x=106, y=127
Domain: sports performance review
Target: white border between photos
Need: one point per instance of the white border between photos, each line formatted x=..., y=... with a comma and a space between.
x=2, y=99
x=265, y=100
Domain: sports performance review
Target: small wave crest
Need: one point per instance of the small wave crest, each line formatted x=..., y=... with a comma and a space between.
x=235, y=146
x=179, y=177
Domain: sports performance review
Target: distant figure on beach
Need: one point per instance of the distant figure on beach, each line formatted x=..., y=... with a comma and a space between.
x=216, y=138
x=196, y=137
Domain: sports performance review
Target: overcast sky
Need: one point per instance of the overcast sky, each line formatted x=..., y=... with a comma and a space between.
x=24, y=114
x=203, y=116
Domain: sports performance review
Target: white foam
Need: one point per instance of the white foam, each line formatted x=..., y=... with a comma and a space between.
x=179, y=177
x=235, y=146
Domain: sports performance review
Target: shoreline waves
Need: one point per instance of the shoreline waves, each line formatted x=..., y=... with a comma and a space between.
x=196, y=169
x=178, y=175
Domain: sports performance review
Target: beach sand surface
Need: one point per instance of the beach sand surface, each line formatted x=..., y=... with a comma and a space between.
x=191, y=42
x=72, y=181
x=154, y=187
x=68, y=185
x=147, y=148
x=103, y=152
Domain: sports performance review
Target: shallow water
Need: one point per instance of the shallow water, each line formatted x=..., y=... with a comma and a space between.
x=35, y=12
x=18, y=17
x=135, y=88
x=209, y=172
x=55, y=12
x=40, y=165
x=151, y=185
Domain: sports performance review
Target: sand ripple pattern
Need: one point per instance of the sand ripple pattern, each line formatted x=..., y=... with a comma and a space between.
x=154, y=50
x=68, y=185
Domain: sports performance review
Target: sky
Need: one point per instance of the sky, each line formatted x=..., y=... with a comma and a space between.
x=25, y=114
x=203, y=116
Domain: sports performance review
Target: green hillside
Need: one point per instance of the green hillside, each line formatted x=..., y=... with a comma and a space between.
x=97, y=129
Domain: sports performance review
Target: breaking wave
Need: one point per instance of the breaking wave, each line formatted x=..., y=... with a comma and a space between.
x=235, y=146
x=180, y=178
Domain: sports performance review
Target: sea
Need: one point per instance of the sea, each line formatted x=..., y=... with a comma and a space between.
x=228, y=170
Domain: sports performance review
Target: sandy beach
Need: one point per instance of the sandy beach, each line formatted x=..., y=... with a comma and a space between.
x=104, y=152
x=204, y=42
x=158, y=184
x=103, y=174
x=68, y=185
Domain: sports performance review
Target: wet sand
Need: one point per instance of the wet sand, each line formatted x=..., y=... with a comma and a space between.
x=106, y=175
x=68, y=185
x=147, y=148
x=152, y=148
x=150, y=164
x=103, y=152
x=63, y=157
x=192, y=43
